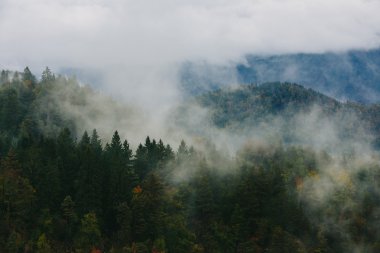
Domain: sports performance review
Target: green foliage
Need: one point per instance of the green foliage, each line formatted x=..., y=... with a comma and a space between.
x=89, y=235
x=252, y=103
x=90, y=175
x=152, y=199
x=124, y=219
x=47, y=76
x=28, y=78
x=11, y=112
x=43, y=245
x=16, y=200
x=68, y=211
x=68, y=223
x=14, y=242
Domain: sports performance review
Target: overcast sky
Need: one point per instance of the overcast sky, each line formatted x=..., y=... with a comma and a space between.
x=139, y=42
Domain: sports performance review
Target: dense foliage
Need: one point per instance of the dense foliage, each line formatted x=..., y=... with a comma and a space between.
x=59, y=193
x=251, y=105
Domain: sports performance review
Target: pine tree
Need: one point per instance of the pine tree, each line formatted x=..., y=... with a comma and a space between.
x=67, y=162
x=16, y=196
x=90, y=176
x=204, y=214
x=43, y=245
x=89, y=235
x=68, y=210
x=70, y=219
x=28, y=78
x=141, y=162
x=124, y=220
x=183, y=151
x=29, y=133
x=118, y=172
x=121, y=178
x=115, y=146
x=10, y=111
x=48, y=186
x=147, y=207
x=4, y=77
x=47, y=76
x=153, y=194
x=96, y=143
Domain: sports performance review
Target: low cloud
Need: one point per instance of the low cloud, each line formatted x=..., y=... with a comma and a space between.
x=119, y=34
x=138, y=47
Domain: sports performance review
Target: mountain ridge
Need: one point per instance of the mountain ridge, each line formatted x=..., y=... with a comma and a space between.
x=287, y=110
x=351, y=75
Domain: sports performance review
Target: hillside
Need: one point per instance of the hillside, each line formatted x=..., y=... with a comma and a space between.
x=288, y=112
x=32, y=106
x=352, y=75
x=65, y=190
x=252, y=103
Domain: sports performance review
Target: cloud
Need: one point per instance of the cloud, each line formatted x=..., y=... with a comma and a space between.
x=112, y=32
x=138, y=46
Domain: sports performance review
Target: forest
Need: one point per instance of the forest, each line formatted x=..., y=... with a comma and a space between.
x=67, y=190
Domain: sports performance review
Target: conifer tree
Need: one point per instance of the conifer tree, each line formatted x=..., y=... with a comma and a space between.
x=28, y=78
x=120, y=178
x=16, y=196
x=90, y=176
x=4, y=77
x=70, y=218
x=67, y=162
x=124, y=220
x=47, y=76
x=89, y=236
x=141, y=162
x=10, y=111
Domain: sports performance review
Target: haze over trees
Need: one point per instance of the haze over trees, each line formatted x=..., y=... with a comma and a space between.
x=62, y=190
x=352, y=75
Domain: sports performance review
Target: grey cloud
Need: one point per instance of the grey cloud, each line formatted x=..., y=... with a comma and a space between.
x=99, y=33
x=138, y=46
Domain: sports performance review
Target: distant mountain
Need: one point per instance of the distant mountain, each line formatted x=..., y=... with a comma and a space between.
x=353, y=75
x=254, y=103
x=291, y=111
x=198, y=78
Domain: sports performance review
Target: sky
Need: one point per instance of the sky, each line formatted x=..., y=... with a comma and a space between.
x=138, y=45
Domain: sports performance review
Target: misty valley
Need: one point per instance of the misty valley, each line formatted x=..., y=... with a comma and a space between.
x=272, y=167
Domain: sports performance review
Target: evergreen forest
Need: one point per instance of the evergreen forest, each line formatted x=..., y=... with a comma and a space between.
x=66, y=190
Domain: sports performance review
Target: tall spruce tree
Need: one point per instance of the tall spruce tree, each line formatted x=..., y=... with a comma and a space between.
x=28, y=78
x=90, y=180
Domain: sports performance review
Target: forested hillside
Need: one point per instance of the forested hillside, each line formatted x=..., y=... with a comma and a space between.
x=62, y=190
x=252, y=103
x=351, y=75
x=286, y=109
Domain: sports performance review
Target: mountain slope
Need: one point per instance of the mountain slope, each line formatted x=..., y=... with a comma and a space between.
x=289, y=112
x=252, y=102
x=352, y=75
x=64, y=193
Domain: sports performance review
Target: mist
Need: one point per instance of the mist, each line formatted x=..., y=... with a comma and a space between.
x=139, y=49
x=139, y=46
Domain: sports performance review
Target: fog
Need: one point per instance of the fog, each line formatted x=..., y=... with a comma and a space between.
x=139, y=47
